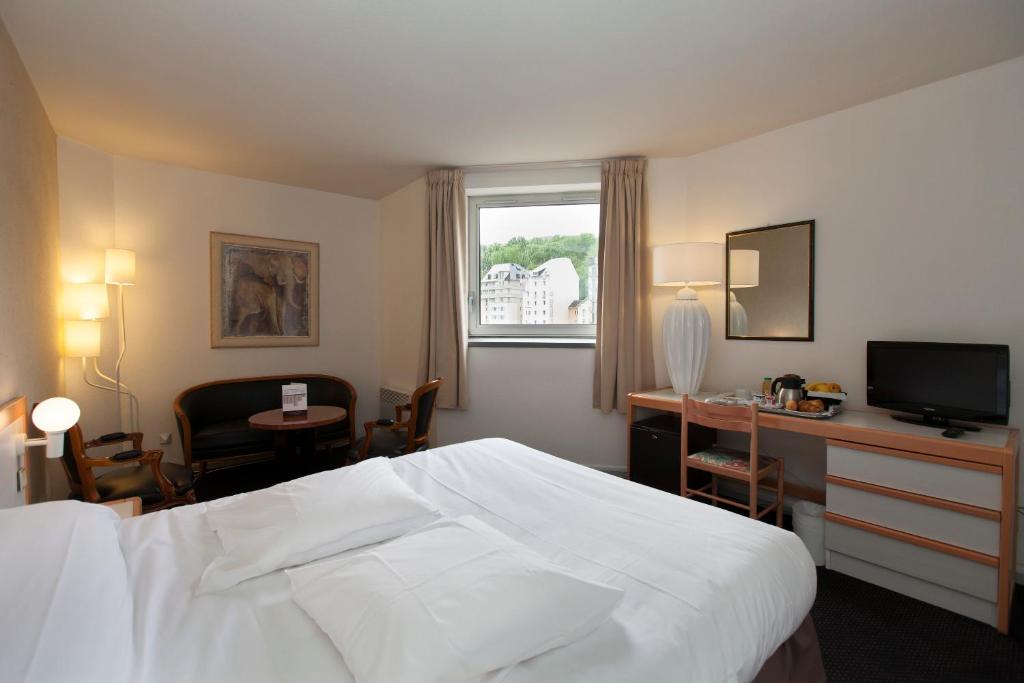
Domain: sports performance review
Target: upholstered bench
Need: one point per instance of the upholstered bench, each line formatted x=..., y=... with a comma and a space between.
x=213, y=418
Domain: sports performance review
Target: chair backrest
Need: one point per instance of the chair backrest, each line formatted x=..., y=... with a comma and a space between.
x=715, y=416
x=81, y=480
x=423, y=401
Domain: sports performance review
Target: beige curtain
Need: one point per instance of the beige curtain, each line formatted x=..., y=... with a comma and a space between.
x=624, y=361
x=444, y=353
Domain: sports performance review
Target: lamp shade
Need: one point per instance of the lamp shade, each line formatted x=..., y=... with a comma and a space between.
x=120, y=267
x=690, y=264
x=744, y=268
x=55, y=415
x=86, y=301
x=82, y=338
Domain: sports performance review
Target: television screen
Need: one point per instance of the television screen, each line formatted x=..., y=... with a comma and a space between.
x=963, y=381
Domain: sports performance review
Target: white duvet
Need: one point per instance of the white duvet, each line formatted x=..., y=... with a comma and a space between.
x=709, y=594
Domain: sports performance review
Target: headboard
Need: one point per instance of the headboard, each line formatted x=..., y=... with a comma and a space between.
x=13, y=470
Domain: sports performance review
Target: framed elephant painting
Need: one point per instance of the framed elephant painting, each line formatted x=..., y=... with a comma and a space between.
x=263, y=291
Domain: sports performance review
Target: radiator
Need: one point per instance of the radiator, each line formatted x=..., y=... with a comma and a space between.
x=391, y=397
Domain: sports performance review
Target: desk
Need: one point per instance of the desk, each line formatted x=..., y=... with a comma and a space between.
x=893, y=482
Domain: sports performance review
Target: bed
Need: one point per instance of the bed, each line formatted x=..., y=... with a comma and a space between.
x=710, y=595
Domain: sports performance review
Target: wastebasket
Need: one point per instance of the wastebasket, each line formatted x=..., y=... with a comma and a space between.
x=809, y=525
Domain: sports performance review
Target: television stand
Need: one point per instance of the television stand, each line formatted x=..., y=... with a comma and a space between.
x=937, y=422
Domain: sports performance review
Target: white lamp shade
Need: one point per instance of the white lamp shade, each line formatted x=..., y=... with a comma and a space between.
x=56, y=415
x=744, y=268
x=688, y=264
x=120, y=267
x=82, y=338
x=86, y=301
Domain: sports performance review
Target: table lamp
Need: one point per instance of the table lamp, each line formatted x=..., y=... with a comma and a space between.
x=686, y=327
x=744, y=271
x=54, y=416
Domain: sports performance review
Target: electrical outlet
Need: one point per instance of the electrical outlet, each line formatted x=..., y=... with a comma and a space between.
x=165, y=439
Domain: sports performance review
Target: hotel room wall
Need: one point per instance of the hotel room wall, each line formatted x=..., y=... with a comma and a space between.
x=29, y=239
x=919, y=233
x=165, y=214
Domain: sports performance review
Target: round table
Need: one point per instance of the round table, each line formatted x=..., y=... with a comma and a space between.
x=293, y=434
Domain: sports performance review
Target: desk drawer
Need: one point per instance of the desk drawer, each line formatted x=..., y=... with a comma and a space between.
x=948, y=526
x=958, y=573
x=917, y=474
x=926, y=591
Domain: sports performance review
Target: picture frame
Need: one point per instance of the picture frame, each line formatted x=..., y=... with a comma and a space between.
x=264, y=292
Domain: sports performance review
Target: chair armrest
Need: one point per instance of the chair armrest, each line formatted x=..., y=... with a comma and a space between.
x=134, y=437
x=400, y=409
x=142, y=458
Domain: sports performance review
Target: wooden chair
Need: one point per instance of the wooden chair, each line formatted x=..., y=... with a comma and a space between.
x=724, y=462
x=387, y=438
x=139, y=473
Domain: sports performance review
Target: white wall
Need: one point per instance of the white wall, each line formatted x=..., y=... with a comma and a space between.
x=165, y=214
x=29, y=310
x=919, y=203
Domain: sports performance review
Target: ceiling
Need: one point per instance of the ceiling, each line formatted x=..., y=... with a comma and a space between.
x=360, y=97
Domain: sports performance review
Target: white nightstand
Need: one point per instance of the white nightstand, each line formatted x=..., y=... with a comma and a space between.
x=126, y=507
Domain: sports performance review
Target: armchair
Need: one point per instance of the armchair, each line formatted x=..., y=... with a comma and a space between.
x=139, y=473
x=398, y=437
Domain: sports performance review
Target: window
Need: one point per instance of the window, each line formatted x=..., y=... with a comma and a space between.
x=537, y=254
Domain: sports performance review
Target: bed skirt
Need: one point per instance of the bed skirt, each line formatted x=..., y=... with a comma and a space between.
x=797, y=660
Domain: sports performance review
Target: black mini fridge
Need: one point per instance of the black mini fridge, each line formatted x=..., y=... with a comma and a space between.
x=654, y=452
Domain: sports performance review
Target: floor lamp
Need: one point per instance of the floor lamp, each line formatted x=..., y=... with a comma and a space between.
x=120, y=272
x=686, y=327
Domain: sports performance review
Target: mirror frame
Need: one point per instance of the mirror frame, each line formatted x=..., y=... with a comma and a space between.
x=810, y=281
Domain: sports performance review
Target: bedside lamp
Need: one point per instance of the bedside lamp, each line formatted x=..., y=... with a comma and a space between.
x=744, y=271
x=686, y=327
x=54, y=416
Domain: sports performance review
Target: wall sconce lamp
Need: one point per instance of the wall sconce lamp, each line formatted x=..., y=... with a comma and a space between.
x=54, y=416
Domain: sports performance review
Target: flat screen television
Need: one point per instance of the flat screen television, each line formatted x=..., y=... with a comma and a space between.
x=940, y=382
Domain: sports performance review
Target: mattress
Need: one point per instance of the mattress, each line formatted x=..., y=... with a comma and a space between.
x=709, y=595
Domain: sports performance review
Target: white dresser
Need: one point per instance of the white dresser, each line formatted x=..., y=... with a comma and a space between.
x=925, y=525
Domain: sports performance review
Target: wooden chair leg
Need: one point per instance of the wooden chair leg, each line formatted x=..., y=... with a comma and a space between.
x=779, y=495
x=683, y=485
x=714, y=489
x=753, y=494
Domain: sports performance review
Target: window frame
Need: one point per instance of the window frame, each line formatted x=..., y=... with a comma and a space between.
x=478, y=330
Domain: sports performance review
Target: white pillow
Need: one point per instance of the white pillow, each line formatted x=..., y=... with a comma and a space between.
x=66, y=606
x=449, y=602
x=309, y=518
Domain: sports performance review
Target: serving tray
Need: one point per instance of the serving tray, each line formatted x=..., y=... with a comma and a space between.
x=831, y=411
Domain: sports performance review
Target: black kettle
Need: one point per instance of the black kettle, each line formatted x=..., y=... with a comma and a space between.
x=792, y=389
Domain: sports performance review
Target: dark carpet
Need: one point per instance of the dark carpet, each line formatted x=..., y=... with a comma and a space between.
x=868, y=633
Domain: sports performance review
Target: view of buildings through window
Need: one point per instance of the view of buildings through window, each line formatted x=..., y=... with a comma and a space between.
x=538, y=264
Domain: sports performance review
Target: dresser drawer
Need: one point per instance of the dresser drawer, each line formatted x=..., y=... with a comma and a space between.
x=920, y=474
x=926, y=591
x=948, y=526
x=958, y=573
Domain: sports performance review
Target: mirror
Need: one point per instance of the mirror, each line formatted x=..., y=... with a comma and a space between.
x=770, y=283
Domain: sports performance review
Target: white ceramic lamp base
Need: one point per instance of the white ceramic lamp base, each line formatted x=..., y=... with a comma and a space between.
x=737, y=317
x=685, y=332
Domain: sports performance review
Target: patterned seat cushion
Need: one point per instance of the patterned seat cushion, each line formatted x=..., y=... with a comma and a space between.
x=730, y=459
